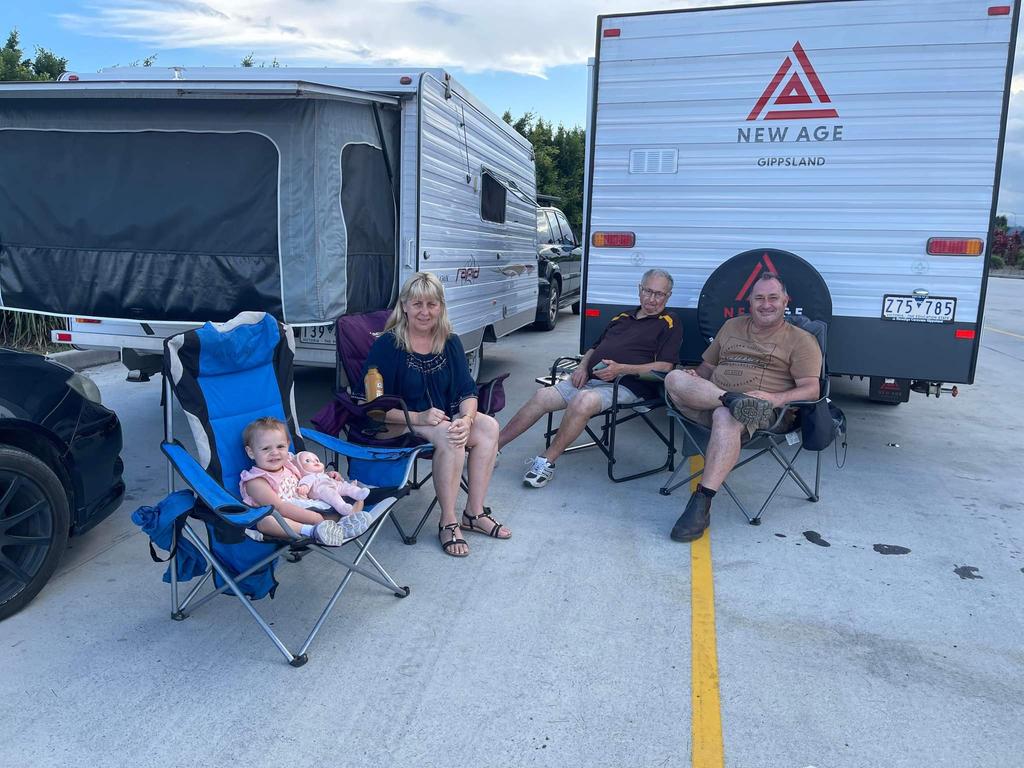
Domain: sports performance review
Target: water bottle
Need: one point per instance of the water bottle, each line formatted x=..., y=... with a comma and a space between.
x=373, y=384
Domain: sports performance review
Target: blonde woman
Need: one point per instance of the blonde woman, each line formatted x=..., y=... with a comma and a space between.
x=423, y=362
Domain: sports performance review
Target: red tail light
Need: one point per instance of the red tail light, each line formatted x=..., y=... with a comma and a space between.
x=593, y=313
x=63, y=336
x=965, y=333
x=999, y=10
x=613, y=239
x=955, y=246
x=86, y=320
x=612, y=32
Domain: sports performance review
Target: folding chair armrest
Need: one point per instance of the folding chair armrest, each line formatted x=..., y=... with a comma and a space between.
x=213, y=495
x=556, y=367
x=354, y=451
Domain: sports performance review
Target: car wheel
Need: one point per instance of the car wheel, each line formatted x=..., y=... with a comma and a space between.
x=547, y=320
x=34, y=523
x=576, y=307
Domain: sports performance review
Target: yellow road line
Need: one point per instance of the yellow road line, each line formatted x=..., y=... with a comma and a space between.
x=1005, y=333
x=706, y=722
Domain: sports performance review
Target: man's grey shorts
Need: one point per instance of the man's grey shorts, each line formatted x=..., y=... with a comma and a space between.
x=603, y=388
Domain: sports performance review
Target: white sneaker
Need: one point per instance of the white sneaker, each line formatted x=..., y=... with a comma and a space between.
x=329, y=534
x=539, y=473
x=354, y=525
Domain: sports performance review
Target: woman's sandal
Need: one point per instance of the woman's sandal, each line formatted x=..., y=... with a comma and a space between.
x=453, y=530
x=494, y=531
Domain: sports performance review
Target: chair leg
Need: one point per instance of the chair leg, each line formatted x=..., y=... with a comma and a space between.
x=296, y=660
x=363, y=552
x=817, y=478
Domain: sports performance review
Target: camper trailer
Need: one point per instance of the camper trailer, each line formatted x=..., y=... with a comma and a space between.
x=139, y=201
x=852, y=146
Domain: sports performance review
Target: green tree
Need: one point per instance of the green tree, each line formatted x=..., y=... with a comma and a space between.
x=15, y=66
x=558, y=156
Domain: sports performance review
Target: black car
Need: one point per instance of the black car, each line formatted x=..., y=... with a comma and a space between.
x=559, y=267
x=60, y=469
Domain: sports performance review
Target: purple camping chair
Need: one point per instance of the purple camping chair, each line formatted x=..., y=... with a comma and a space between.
x=361, y=423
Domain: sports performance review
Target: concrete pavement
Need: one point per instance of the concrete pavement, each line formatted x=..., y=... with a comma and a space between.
x=569, y=645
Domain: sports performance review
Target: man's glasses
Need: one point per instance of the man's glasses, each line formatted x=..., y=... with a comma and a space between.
x=647, y=293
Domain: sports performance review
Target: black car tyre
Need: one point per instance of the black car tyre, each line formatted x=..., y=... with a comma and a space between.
x=575, y=307
x=547, y=314
x=34, y=523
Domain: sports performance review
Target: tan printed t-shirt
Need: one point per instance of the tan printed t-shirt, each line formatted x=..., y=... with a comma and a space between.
x=769, y=363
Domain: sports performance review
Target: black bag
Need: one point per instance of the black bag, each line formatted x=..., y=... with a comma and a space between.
x=820, y=424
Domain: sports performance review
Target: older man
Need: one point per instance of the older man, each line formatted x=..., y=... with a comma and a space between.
x=644, y=340
x=757, y=363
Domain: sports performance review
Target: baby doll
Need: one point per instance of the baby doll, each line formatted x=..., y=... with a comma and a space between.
x=317, y=484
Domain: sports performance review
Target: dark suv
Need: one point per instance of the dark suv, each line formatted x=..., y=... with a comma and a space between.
x=559, y=267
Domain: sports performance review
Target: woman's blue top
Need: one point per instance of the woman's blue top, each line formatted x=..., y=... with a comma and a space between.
x=423, y=381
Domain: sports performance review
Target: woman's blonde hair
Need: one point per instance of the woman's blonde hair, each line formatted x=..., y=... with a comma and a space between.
x=426, y=286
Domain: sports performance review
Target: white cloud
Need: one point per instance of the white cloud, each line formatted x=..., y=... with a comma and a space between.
x=525, y=37
x=522, y=36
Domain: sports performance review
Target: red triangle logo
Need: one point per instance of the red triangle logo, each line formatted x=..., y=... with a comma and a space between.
x=764, y=265
x=794, y=95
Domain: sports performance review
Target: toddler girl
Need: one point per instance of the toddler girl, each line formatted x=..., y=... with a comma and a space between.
x=274, y=481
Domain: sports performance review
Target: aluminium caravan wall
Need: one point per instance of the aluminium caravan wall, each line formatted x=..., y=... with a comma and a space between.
x=489, y=270
x=912, y=151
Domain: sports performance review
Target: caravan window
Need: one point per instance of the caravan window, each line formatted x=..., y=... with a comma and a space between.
x=492, y=199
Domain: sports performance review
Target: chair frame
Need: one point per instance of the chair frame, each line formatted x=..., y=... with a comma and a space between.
x=218, y=509
x=762, y=441
x=611, y=420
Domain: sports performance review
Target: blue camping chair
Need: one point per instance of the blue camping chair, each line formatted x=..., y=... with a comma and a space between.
x=224, y=376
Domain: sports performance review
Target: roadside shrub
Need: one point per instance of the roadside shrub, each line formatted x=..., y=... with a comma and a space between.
x=21, y=330
x=997, y=261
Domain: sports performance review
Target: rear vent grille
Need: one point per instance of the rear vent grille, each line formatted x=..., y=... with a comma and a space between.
x=653, y=160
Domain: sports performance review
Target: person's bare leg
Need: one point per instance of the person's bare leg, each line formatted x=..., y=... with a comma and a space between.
x=446, y=469
x=580, y=410
x=483, y=439
x=544, y=401
x=271, y=527
x=723, y=448
x=692, y=391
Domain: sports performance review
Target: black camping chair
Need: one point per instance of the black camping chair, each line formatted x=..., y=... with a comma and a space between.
x=603, y=436
x=773, y=441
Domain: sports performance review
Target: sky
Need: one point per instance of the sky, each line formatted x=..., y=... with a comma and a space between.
x=525, y=56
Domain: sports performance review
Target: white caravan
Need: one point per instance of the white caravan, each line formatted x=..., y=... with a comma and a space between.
x=853, y=146
x=136, y=200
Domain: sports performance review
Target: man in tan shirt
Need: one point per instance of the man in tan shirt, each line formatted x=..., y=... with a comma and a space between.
x=757, y=363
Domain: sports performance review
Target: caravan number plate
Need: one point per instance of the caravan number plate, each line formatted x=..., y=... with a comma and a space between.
x=914, y=309
x=317, y=334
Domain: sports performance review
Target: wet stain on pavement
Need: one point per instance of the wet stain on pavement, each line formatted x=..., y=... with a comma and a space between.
x=967, y=572
x=890, y=549
x=815, y=538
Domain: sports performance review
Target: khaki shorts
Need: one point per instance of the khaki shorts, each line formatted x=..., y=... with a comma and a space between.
x=704, y=418
x=602, y=388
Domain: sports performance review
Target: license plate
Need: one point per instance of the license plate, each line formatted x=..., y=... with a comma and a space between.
x=317, y=334
x=914, y=309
